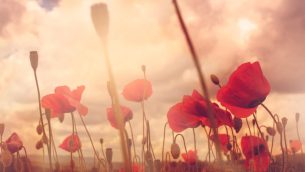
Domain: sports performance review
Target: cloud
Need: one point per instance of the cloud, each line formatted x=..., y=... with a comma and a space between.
x=280, y=45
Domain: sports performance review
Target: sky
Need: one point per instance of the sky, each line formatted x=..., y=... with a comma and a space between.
x=145, y=32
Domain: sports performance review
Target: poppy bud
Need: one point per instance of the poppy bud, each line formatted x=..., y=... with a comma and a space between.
x=297, y=117
x=100, y=19
x=39, y=129
x=44, y=139
x=175, y=150
x=109, y=155
x=101, y=141
x=271, y=131
x=229, y=146
x=34, y=59
x=48, y=113
x=2, y=126
x=279, y=127
x=215, y=79
x=284, y=121
x=237, y=124
x=39, y=145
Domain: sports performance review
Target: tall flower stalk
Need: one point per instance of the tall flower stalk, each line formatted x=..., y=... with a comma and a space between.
x=100, y=18
x=34, y=64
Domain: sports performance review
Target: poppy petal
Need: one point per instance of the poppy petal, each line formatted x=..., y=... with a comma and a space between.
x=138, y=90
x=71, y=143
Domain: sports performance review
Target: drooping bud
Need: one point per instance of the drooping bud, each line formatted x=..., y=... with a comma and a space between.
x=297, y=117
x=39, y=145
x=237, y=124
x=284, y=121
x=100, y=19
x=109, y=155
x=215, y=79
x=175, y=150
x=2, y=127
x=34, y=59
x=271, y=131
x=39, y=129
x=279, y=127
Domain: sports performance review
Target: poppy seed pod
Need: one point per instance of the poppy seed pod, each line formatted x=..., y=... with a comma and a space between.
x=297, y=117
x=214, y=79
x=39, y=129
x=39, y=145
x=175, y=150
x=271, y=131
x=109, y=154
x=284, y=121
x=34, y=59
x=2, y=127
x=279, y=127
x=100, y=19
x=237, y=124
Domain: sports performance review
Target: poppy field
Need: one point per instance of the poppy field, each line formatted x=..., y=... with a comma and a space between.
x=235, y=138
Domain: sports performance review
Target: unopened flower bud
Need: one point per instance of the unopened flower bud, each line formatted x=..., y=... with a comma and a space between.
x=175, y=150
x=215, y=79
x=271, y=131
x=297, y=117
x=61, y=118
x=39, y=145
x=284, y=121
x=34, y=59
x=39, y=129
x=237, y=124
x=2, y=126
x=279, y=127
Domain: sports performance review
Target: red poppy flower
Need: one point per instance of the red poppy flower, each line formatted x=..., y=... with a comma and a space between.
x=192, y=112
x=126, y=112
x=71, y=143
x=295, y=145
x=256, y=152
x=190, y=157
x=224, y=141
x=14, y=143
x=246, y=89
x=64, y=101
x=138, y=90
